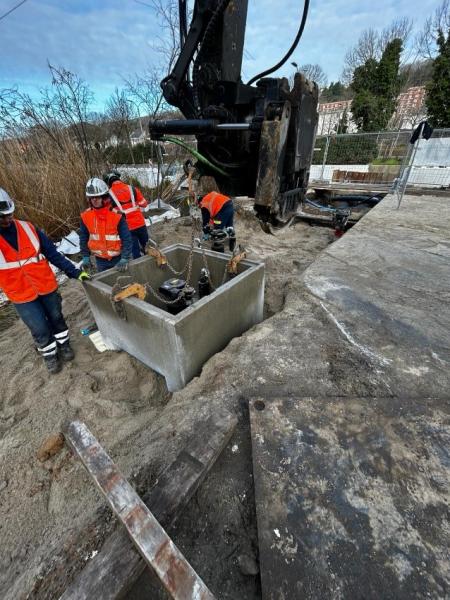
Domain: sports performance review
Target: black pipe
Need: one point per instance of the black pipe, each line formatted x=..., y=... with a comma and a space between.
x=181, y=127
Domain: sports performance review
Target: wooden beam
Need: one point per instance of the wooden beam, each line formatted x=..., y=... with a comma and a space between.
x=111, y=573
x=151, y=540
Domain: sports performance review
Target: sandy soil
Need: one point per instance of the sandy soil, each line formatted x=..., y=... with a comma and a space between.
x=47, y=508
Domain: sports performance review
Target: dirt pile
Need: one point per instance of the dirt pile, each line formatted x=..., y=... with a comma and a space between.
x=46, y=506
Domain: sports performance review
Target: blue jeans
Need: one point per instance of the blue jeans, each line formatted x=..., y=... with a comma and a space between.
x=140, y=239
x=225, y=216
x=44, y=319
x=103, y=264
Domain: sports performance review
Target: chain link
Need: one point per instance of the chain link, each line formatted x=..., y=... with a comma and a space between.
x=196, y=228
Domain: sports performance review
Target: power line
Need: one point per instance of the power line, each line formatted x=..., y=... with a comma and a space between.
x=12, y=9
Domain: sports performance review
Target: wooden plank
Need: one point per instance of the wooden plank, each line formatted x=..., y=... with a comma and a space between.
x=111, y=573
x=153, y=543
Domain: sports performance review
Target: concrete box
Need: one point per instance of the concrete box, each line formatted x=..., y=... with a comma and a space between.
x=177, y=346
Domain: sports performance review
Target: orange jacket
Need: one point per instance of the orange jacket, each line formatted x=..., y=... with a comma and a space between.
x=25, y=273
x=128, y=201
x=213, y=202
x=102, y=224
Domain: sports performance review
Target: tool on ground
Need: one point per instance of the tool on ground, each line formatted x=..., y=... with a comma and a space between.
x=89, y=329
x=151, y=540
x=340, y=220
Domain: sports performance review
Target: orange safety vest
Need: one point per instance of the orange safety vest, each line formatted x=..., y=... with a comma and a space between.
x=213, y=202
x=25, y=273
x=124, y=198
x=104, y=240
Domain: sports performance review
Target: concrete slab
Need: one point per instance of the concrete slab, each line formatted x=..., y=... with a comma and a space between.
x=338, y=498
x=386, y=287
x=177, y=346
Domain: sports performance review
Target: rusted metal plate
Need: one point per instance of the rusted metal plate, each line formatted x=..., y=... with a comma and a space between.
x=151, y=540
x=352, y=497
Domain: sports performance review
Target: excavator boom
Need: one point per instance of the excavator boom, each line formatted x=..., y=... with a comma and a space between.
x=259, y=137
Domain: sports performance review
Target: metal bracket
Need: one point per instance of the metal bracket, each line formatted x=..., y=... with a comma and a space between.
x=161, y=260
x=232, y=265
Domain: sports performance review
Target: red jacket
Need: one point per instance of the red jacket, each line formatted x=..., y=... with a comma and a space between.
x=213, y=202
x=25, y=273
x=128, y=201
x=102, y=224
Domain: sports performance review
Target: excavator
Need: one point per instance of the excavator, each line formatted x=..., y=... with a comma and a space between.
x=255, y=138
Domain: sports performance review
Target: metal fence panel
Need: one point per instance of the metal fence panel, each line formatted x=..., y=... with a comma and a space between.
x=381, y=161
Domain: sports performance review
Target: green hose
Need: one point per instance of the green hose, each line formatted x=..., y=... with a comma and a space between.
x=195, y=153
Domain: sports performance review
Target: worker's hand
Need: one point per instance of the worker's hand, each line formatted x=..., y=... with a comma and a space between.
x=83, y=276
x=122, y=265
x=86, y=263
x=207, y=229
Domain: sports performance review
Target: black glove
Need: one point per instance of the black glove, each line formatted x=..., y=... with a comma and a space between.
x=207, y=229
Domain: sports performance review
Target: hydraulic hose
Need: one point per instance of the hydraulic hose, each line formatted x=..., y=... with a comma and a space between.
x=291, y=49
x=195, y=153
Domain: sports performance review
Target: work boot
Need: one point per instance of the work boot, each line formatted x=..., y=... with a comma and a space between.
x=53, y=364
x=66, y=351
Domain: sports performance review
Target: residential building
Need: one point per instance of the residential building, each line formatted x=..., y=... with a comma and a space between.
x=411, y=108
x=410, y=111
x=332, y=115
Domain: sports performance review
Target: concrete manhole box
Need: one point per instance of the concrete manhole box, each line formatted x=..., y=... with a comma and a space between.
x=177, y=346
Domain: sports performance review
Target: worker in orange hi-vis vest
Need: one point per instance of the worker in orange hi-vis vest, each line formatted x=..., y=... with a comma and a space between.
x=103, y=232
x=217, y=209
x=30, y=284
x=129, y=201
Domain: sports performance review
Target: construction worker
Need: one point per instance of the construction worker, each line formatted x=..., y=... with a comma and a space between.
x=128, y=200
x=217, y=209
x=103, y=232
x=30, y=284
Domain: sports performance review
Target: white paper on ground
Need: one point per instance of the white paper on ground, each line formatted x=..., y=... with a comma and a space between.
x=70, y=244
x=97, y=339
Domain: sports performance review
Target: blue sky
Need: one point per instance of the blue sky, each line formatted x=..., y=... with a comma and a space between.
x=105, y=41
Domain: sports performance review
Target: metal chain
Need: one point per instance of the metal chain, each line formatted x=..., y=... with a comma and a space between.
x=195, y=228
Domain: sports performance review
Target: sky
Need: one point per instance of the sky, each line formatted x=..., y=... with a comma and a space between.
x=107, y=41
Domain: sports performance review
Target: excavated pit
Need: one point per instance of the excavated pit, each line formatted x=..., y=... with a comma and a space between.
x=178, y=345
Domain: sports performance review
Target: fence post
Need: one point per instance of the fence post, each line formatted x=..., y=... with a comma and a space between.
x=404, y=180
x=325, y=155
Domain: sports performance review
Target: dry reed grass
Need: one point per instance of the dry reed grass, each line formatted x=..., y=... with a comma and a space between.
x=46, y=178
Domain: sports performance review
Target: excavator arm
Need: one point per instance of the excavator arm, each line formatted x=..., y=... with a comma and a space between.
x=260, y=137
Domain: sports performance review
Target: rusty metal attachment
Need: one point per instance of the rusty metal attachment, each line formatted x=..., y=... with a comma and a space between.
x=150, y=539
x=135, y=289
x=232, y=265
x=161, y=260
x=125, y=288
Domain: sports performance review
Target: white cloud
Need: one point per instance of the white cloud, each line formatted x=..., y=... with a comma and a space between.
x=104, y=41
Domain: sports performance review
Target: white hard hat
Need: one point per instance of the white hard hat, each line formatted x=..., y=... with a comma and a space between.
x=6, y=203
x=96, y=187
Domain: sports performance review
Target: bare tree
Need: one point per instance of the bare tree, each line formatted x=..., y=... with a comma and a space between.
x=314, y=72
x=371, y=45
x=121, y=113
x=426, y=40
x=145, y=90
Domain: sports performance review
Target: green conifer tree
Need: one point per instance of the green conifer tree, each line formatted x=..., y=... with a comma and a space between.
x=438, y=90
